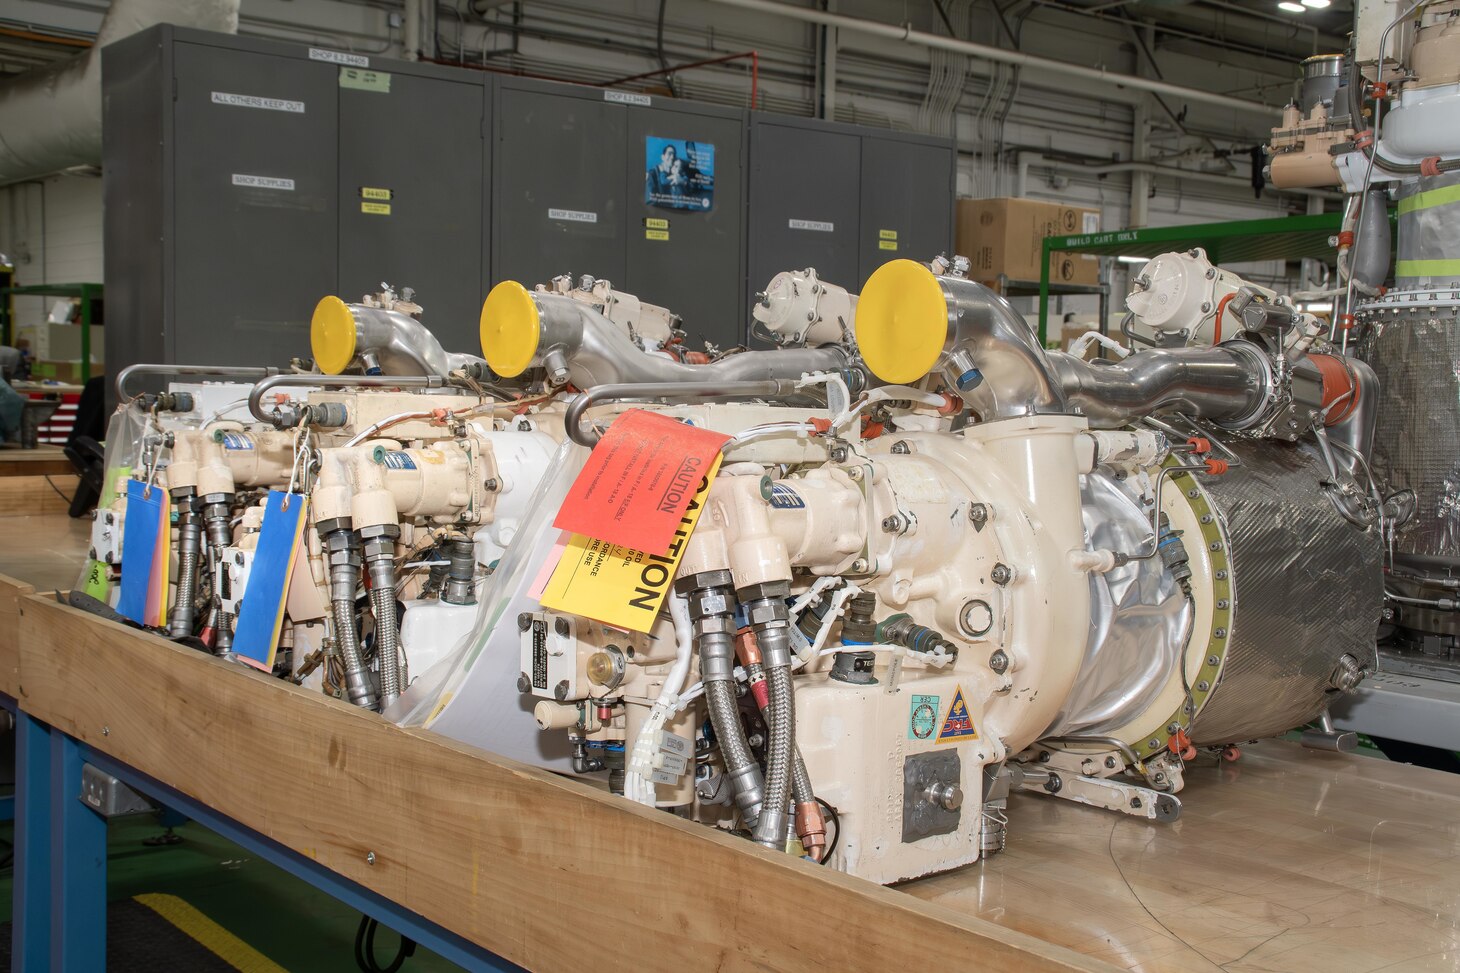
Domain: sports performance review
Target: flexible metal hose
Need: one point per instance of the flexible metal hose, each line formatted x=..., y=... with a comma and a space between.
x=357, y=681
x=770, y=830
x=387, y=640
x=220, y=536
x=190, y=545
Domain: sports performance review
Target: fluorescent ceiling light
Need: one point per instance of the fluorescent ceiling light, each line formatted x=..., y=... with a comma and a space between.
x=1316, y=4
x=1132, y=260
x=1290, y=7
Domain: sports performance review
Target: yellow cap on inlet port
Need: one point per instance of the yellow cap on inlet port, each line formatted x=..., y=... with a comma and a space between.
x=901, y=321
x=510, y=329
x=332, y=335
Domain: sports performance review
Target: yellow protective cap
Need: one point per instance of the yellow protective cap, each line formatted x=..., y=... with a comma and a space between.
x=332, y=335
x=901, y=321
x=510, y=329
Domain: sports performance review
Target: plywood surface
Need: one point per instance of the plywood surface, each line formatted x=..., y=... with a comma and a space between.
x=543, y=871
x=28, y=496
x=1287, y=860
x=45, y=551
x=40, y=461
x=11, y=591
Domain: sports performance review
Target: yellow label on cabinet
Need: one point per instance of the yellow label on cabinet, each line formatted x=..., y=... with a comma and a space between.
x=656, y=234
x=887, y=234
x=375, y=209
x=886, y=244
x=654, y=223
x=372, y=192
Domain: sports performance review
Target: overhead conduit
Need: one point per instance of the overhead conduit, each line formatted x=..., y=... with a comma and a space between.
x=50, y=118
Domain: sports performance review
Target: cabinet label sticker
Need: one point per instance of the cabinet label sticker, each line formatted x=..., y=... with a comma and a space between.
x=339, y=57
x=375, y=209
x=254, y=101
x=628, y=98
x=572, y=215
x=361, y=80
x=817, y=225
x=372, y=192
x=263, y=182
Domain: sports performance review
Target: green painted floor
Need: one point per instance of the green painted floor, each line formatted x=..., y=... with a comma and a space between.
x=285, y=919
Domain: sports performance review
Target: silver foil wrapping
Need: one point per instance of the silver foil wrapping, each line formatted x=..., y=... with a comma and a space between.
x=1138, y=616
x=1307, y=589
x=1416, y=356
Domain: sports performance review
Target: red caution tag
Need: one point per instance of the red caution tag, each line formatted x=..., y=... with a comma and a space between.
x=637, y=484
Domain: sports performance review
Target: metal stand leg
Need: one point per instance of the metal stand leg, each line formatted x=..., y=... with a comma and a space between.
x=31, y=929
x=78, y=867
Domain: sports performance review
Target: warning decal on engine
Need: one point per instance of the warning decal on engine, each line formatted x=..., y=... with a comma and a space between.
x=618, y=585
x=957, y=725
x=922, y=717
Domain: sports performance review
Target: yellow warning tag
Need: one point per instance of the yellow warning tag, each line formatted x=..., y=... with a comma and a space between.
x=617, y=585
x=374, y=192
x=887, y=234
x=656, y=234
x=886, y=244
x=375, y=209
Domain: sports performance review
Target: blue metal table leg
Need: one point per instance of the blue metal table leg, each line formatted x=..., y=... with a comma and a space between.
x=78, y=867
x=31, y=929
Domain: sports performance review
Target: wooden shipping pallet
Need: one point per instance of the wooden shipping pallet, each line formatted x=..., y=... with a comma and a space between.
x=1287, y=860
x=543, y=871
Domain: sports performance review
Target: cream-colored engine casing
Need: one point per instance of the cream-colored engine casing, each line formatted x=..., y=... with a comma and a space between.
x=855, y=741
x=365, y=407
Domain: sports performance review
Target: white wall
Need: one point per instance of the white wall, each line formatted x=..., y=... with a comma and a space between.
x=51, y=229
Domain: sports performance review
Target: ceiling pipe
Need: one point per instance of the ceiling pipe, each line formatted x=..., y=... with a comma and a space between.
x=50, y=118
x=986, y=52
x=1027, y=159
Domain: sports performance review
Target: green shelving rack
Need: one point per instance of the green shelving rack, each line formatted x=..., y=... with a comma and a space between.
x=1240, y=241
x=88, y=293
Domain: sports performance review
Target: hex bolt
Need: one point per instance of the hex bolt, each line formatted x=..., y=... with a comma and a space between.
x=1206, y=306
x=1223, y=603
x=560, y=625
x=1220, y=575
x=855, y=472
x=560, y=691
x=524, y=621
x=1203, y=686
x=524, y=425
x=859, y=566
x=1173, y=727
x=524, y=684
x=1109, y=763
x=892, y=524
x=901, y=447
x=492, y=485
x=1054, y=784
x=979, y=514
x=1135, y=803
x=1213, y=660
x=1193, y=493
x=838, y=454
x=999, y=661
x=1001, y=574
x=1220, y=633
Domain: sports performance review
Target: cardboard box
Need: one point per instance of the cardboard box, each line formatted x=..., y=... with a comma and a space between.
x=59, y=342
x=1006, y=237
x=66, y=372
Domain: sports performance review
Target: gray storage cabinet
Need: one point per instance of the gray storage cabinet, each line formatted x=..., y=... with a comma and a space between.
x=569, y=197
x=844, y=199
x=233, y=172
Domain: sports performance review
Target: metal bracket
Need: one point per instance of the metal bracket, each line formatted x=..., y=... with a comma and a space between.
x=108, y=796
x=1112, y=795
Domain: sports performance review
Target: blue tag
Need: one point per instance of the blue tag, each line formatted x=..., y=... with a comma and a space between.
x=139, y=548
x=261, y=613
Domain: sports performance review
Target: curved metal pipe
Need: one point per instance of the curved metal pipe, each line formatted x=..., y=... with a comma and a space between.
x=993, y=356
x=398, y=344
x=691, y=391
x=1228, y=382
x=256, y=394
x=227, y=371
x=578, y=344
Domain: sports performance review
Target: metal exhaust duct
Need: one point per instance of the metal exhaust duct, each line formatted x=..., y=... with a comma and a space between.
x=50, y=118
